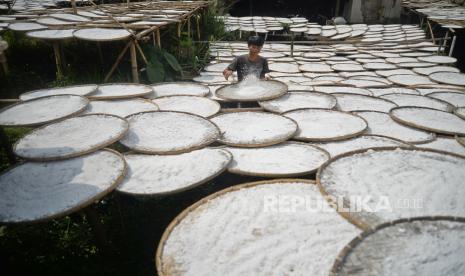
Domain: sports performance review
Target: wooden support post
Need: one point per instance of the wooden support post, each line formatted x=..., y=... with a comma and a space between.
x=179, y=29
x=197, y=19
x=431, y=31
x=73, y=5
x=58, y=63
x=100, y=53
x=189, y=27
x=7, y=147
x=118, y=60
x=154, y=39
x=141, y=53
x=158, y=38
x=135, y=73
x=4, y=63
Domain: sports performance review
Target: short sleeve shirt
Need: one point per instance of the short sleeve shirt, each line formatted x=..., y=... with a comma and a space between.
x=245, y=67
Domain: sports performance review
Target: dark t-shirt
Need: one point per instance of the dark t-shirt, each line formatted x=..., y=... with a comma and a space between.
x=245, y=67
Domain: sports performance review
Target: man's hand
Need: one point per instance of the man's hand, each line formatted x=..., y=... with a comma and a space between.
x=227, y=73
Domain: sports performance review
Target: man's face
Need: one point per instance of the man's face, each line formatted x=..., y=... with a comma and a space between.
x=254, y=49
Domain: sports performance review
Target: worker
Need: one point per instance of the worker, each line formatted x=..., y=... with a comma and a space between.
x=251, y=63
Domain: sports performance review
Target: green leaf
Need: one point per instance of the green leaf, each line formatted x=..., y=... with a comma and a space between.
x=155, y=71
x=172, y=61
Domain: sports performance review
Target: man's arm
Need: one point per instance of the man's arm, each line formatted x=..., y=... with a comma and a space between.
x=265, y=69
x=230, y=69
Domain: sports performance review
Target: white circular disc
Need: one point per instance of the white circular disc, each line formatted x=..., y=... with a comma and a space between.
x=429, y=119
x=42, y=110
x=252, y=90
x=37, y=191
x=286, y=159
x=217, y=67
x=353, y=102
x=121, y=108
x=166, y=174
x=79, y=90
x=26, y=26
x=102, y=34
x=454, y=98
x=326, y=125
x=71, y=137
x=298, y=100
x=52, y=34
x=409, y=80
x=380, y=123
x=421, y=246
x=444, y=143
x=284, y=67
x=395, y=175
x=180, y=89
x=417, y=100
x=120, y=91
x=360, y=142
x=191, y=104
x=434, y=69
x=438, y=59
x=316, y=67
x=232, y=225
x=168, y=132
x=254, y=129
x=449, y=78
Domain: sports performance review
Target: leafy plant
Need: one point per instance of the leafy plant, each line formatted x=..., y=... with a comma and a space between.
x=162, y=66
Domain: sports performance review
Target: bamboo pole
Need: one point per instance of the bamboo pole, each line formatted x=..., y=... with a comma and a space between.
x=58, y=63
x=118, y=60
x=189, y=27
x=135, y=73
x=73, y=5
x=197, y=18
x=141, y=52
x=158, y=38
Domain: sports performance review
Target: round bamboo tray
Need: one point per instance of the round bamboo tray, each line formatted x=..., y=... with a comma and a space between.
x=449, y=78
x=71, y=137
x=252, y=91
x=78, y=90
x=288, y=159
x=380, y=123
x=192, y=104
x=447, y=144
x=254, y=129
x=393, y=183
x=179, y=89
x=34, y=192
x=429, y=119
x=51, y=34
x=102, y=34
x=405, y=246
x=42, y=110
x=321, y=125
x=113, y=91
x=298, y=100
x=321, y=234
x=417, y=100
x=454, y=98
x=121, y=108
x=161, y=175
x=168, y=132
x=359, y=143
x=352, y=102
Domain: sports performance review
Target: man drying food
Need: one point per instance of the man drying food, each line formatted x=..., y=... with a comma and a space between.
x=251, y=63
